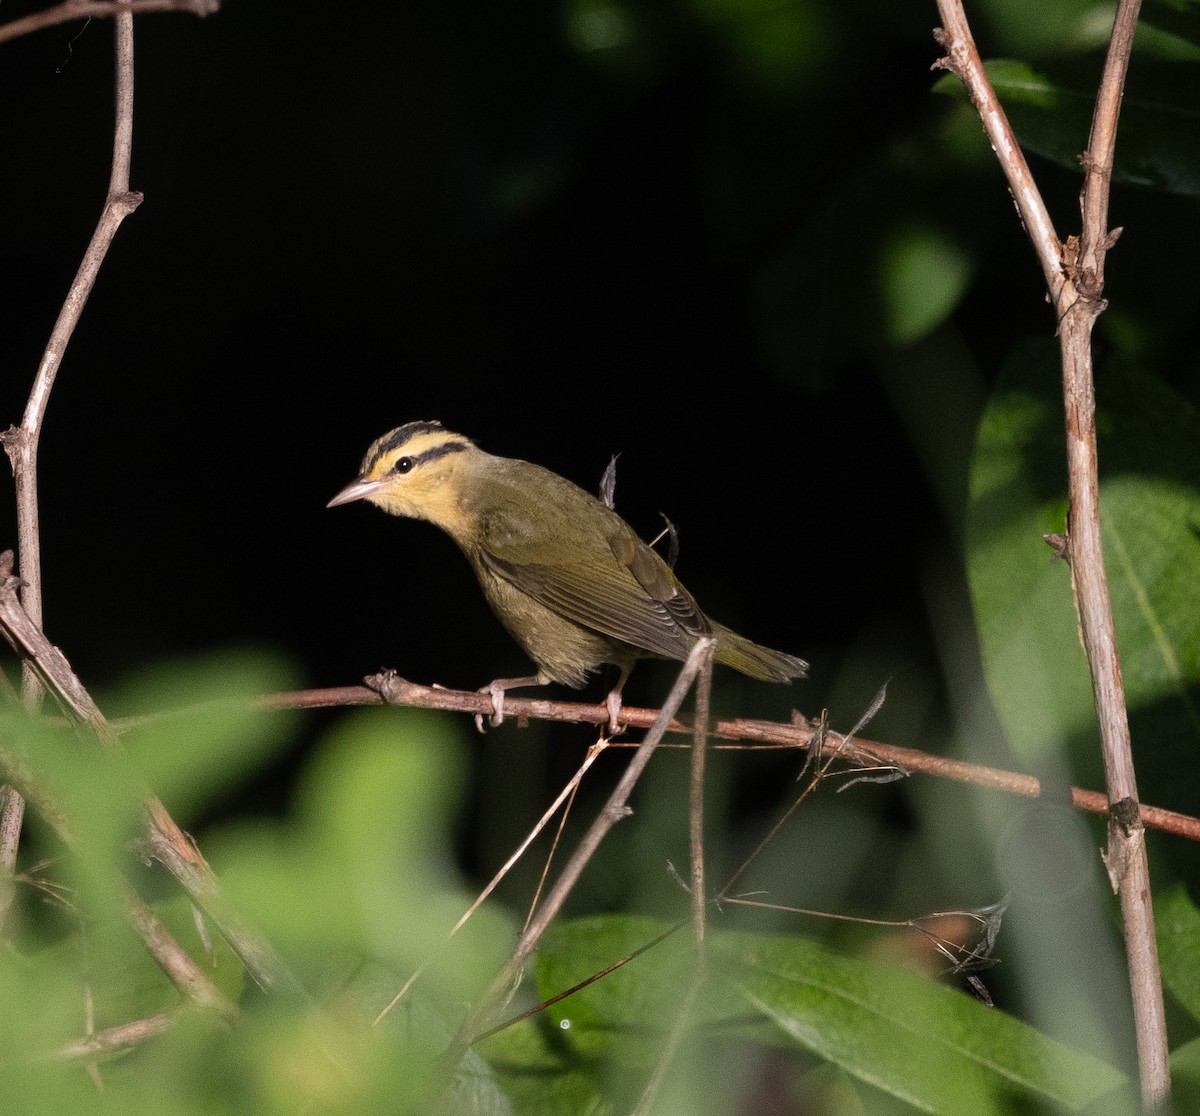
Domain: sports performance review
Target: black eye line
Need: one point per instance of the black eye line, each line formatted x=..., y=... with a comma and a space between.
x=409, y=462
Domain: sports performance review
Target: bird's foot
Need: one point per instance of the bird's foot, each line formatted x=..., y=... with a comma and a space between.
x=497, y=689
x=613, y=704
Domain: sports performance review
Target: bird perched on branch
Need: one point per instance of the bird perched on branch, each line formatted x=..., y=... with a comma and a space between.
x=566, y=575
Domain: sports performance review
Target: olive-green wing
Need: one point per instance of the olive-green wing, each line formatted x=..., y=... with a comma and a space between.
x=612, y=583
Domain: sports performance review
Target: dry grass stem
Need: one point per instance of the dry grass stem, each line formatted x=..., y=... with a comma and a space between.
x=613, y=811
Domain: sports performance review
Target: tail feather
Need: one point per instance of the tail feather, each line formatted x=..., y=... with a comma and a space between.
x=754, y=660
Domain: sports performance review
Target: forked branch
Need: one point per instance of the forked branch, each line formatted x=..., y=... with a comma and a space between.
x=1074, y=274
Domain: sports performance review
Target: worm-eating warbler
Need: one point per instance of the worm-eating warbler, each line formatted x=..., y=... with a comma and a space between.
x=565, y=574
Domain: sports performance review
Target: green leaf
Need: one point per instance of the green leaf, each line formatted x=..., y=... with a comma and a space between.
x=541, y=1077
x=770, y=43
x=902, y=271
x=917, y=1040
x=1185, y=1079
x=1178, y=930
x=1033, y=28
x=626, y=1014
x=936, y=1048
x=1050, y=107
x=923, y=273
x=1149, y=454
x=91, y=795
x=1179, y=17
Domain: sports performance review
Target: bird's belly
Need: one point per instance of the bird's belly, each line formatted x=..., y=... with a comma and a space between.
x=564, y=651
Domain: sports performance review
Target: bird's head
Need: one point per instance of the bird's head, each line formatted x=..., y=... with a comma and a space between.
x=414, y=470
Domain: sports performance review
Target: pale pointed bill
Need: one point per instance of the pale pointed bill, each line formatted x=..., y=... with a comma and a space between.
x=356, y=490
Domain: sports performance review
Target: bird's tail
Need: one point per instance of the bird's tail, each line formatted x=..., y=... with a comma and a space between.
x=755, y=660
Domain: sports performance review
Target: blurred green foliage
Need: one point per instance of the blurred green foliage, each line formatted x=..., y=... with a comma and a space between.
x=356, y=887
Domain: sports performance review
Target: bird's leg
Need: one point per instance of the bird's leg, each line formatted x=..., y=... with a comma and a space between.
x=496, y=689
x=613, y=704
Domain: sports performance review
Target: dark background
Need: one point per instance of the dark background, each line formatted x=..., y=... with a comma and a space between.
x=667, y=247
x=351, y=223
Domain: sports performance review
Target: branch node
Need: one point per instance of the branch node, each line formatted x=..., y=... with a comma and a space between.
x=1060, y=545
x=1127, y=814
x=126, y=201
x=390, y=686
x=943, y=39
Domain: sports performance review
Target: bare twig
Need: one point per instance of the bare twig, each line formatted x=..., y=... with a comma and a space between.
x=21, y=443
x=962, y=957
x=566, y=795
x=696, y=807
x=962, y=59
x=173, y=959
x=1075, y=279
x=765, y=735
x=612, y=812
x=1096, y=238
x=99, y=9
x=112, y=1039
x=12, y=815
x=699, y=973
x=1126, y=858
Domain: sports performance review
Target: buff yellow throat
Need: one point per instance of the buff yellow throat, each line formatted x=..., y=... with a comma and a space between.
x=566, y=575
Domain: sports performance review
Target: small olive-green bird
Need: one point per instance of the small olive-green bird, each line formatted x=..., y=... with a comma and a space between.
x=566, y=575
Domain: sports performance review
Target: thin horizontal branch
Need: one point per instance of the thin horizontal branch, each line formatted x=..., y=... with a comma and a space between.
x=738, y=732
x=99, y=9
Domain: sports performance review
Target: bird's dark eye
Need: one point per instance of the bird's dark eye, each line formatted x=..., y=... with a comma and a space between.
x=404, y=465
